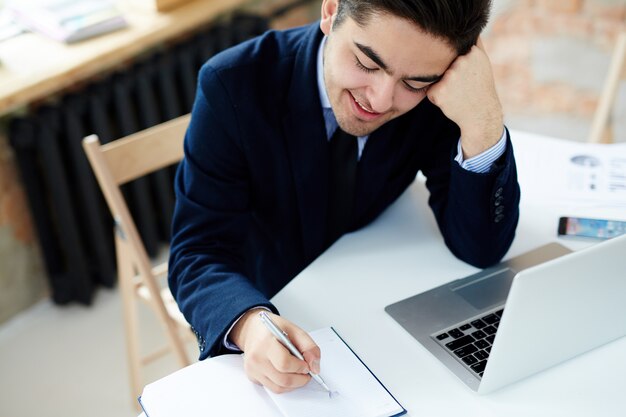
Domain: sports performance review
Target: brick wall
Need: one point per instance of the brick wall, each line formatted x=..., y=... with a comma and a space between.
x=551, y=57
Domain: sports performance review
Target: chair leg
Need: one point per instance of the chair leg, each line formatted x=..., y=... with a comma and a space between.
x=131, y=327
x=173, y=334
x=181, y=354
x=600, y=128
x=169, y=325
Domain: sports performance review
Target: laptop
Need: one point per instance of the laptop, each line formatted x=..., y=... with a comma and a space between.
x=524, y=315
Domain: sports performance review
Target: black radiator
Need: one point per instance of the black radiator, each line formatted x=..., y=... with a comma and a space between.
x=73, y=224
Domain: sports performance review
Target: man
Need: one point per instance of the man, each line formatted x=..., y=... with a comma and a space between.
x=261, y=192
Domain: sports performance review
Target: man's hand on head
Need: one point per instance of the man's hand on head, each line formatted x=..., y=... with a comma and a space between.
x=267, y=361
x=467, y=95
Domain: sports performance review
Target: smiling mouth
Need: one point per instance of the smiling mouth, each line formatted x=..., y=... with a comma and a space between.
x=373, y=113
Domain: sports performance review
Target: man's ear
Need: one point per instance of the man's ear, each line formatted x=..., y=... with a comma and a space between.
x=329, y=11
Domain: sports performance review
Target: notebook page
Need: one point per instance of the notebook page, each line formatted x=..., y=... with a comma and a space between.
x=214, y=387
x=356, y=392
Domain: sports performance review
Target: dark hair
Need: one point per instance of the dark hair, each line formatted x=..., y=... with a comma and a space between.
x=459, y=22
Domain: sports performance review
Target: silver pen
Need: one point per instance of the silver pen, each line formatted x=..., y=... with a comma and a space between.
x=282, y=338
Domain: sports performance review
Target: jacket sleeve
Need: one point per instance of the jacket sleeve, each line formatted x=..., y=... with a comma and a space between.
x=476, y=213
x=207, y=273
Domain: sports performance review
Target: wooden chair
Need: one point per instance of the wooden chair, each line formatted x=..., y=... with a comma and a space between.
x=115, y=164
x=601, y=131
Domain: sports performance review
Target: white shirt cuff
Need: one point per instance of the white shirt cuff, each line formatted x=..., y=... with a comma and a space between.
x=481, y=163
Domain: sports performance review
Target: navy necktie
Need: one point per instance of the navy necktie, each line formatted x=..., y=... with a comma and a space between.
x=342, y=183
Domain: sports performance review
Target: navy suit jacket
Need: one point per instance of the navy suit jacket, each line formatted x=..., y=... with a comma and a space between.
x=252, y=190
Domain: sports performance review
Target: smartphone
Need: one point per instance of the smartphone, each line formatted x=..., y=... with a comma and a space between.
x=591, y=228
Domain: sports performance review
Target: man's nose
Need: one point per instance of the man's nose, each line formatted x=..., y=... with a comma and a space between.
x=381, y=95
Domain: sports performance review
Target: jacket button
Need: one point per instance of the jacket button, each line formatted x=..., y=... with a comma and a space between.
x=499, y=209
x=498, y=201
x=499, y=192
x=499, y=218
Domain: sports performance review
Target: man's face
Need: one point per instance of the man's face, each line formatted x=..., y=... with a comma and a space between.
x=378, y=72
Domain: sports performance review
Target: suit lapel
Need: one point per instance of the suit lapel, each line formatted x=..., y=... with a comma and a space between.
x=307, y=145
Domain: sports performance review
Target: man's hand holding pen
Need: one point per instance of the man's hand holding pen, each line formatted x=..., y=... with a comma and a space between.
x=267, y=361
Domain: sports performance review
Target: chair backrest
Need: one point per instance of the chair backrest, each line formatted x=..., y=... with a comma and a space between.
x=129, y=158
x=147, y=151
x=115, y=164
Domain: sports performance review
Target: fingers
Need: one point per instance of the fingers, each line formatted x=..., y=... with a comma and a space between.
x=432, y=94
x=268, y=362
x=466, y=93
x=437, y=93
x=312, y=358
x=282, y=383
x=480, y=43
x=270, y=384
x=277, y=369
x=308, y=348
x=283, y=362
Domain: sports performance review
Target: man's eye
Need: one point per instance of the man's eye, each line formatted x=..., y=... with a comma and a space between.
x=415, y=89
x=363, y=67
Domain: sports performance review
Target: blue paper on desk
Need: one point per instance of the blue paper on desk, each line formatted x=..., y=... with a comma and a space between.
x=219, y=386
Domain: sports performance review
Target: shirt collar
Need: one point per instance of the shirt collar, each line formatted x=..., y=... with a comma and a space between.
x=320, y=75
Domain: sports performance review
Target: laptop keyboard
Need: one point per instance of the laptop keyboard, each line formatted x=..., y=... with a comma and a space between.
x=470, y=342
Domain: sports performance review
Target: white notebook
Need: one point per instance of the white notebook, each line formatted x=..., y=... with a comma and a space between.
x=219, y=386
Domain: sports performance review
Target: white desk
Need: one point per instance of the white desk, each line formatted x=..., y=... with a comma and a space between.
x=402, y=254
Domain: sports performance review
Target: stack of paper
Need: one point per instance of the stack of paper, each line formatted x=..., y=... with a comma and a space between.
x=67, y=20
x=557, y=171
x=8, y=27
x=219, y=387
